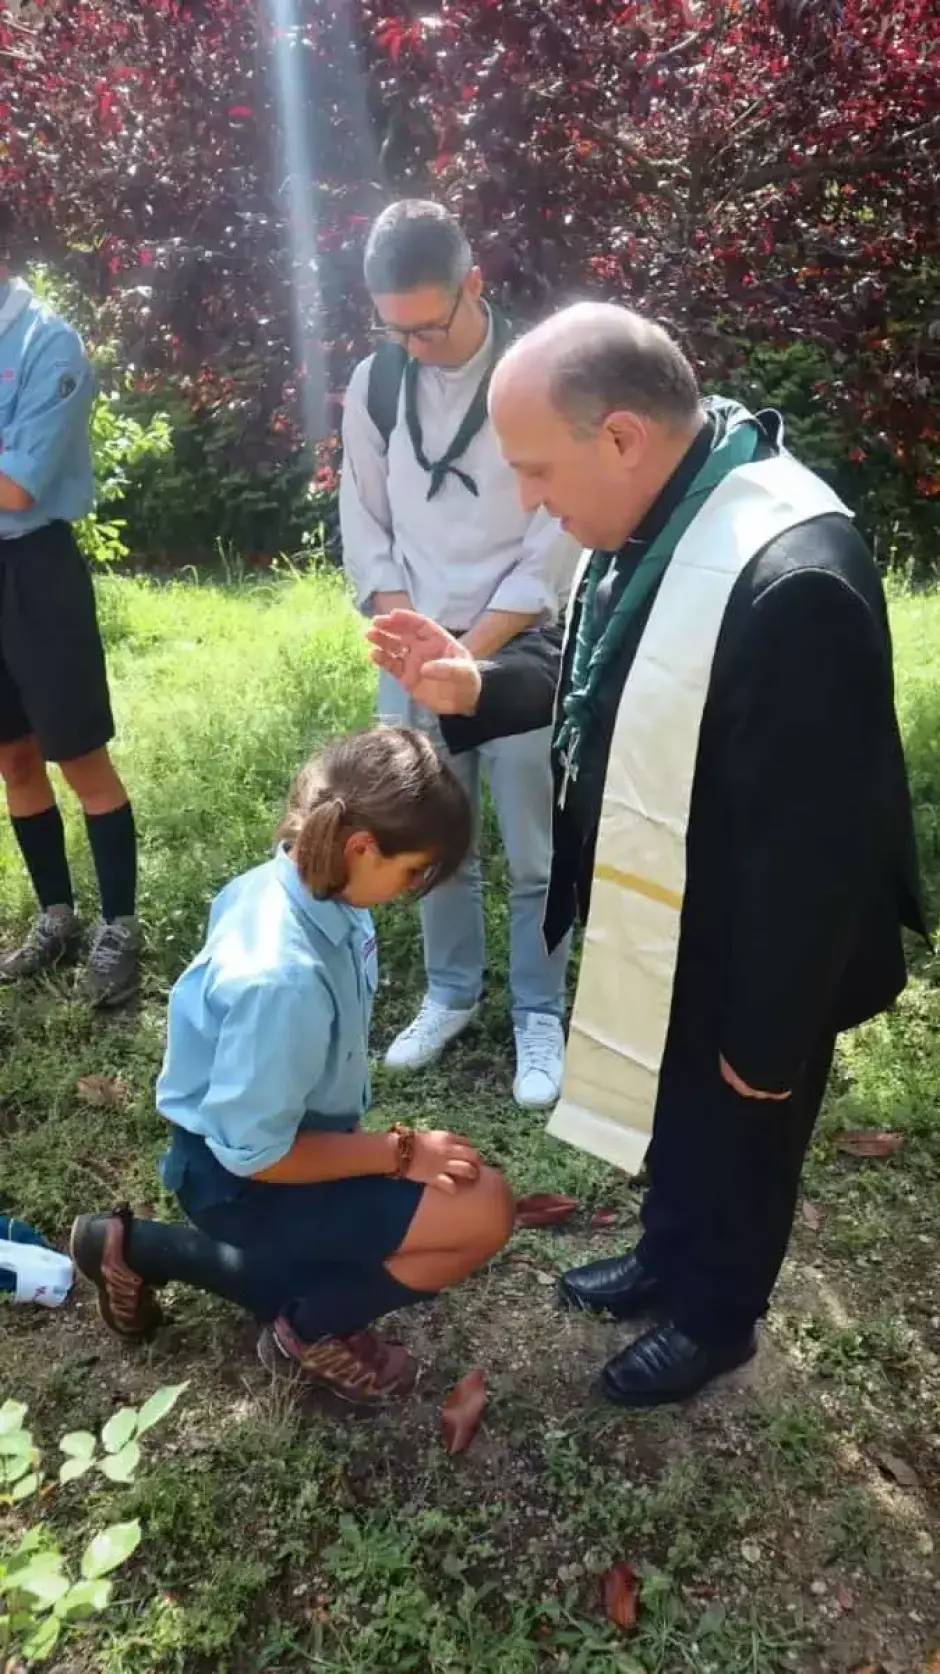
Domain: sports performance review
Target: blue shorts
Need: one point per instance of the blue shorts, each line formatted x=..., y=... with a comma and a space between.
x=290, y=1234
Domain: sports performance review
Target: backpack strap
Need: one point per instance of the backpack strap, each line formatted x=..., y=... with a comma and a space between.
x=385, y=380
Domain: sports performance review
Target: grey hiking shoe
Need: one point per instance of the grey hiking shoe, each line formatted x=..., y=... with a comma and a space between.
x=53, y=939
x=113, y=973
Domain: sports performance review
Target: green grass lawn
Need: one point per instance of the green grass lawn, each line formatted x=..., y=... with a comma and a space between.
x=767, y=1521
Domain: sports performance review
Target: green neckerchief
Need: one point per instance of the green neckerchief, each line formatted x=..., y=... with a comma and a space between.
x=739, y=438
x=471, y=424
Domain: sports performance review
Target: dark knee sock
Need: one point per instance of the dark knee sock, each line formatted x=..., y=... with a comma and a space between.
x=348, y=1298
x=161, y=1252
x=42, y=844
x=342, y=1298
x=113, y=839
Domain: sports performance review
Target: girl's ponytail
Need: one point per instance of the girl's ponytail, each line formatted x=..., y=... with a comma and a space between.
x=318, y=847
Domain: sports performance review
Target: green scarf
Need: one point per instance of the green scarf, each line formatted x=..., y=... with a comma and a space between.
x=471, y=424
x=739, y=438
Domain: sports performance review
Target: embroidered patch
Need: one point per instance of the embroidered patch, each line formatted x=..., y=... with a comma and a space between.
x=67, y=386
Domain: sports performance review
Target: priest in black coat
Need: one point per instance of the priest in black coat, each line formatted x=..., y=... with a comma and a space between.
x=800, y=856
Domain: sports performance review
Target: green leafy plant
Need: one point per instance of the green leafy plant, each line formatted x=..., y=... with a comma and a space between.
x=123, y=442
x=120, y=444
x=39, y=1593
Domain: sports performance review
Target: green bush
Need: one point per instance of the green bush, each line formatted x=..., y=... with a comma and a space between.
x=122, y=444
x=902, y=526
x=209, y=498
x=200, y=497
x=121, y=447
x=182, y=478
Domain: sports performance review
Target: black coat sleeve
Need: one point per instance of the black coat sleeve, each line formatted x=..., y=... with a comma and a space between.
x=517, y=694
x=800, y=775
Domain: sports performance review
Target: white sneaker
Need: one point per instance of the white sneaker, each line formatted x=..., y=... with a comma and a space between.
x=540, y=1061
x=424, y=1040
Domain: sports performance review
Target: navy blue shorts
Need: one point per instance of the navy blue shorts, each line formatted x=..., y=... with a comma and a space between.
x=290, y=1234
x=53, y=681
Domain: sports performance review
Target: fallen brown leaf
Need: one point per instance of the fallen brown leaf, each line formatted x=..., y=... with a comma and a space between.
x=463, y=1410
x=812, y=1215
x=544, y=1209
x=621, y=1590
x=102, y=1091
x=869, y=1142
x=899, y=1469
x=603, y=1217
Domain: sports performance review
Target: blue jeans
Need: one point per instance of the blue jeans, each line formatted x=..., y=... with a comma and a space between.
x=520, y=779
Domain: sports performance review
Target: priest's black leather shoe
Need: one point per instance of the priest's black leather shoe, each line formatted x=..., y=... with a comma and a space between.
x=664, y=1365
x=621, y=1286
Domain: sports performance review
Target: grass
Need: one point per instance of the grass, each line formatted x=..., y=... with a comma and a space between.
x=766, y=1523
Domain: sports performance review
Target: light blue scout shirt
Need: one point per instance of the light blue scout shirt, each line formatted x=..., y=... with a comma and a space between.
x=269, y=1027
x=47, y=388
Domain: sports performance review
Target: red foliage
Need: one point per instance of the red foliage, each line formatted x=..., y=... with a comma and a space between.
x=463, y=1410
x=869, y=1142
x=752, y=171
x=544, y=1209
x=620, y=1590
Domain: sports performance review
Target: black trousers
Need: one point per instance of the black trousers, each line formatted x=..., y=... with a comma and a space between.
x=724, y=1177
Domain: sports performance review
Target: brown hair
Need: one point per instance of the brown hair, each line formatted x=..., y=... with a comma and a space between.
x=390, y=782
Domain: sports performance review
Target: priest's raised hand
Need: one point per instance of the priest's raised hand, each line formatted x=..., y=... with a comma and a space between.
x=434, y=667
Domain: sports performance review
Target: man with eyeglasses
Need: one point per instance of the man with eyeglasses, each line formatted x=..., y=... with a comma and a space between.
x=431, y=521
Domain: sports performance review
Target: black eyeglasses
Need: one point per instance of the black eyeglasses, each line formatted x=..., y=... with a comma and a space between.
x=436, y=331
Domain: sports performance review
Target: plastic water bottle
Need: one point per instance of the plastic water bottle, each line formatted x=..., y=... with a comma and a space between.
x=30, y=1270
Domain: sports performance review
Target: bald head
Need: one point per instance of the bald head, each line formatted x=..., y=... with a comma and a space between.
x=596, y=359
x=593, y=409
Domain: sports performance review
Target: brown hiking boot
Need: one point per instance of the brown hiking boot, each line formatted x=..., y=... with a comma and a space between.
x=361, y=1368
x=126, y=1303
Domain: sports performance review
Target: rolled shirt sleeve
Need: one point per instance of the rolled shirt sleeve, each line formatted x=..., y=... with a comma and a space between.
x=272, y=1050
x=364, y=510
x=542, y=578
x=52, y=413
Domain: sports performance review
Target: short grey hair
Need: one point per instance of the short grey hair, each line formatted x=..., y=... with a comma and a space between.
x=415, y=243
x=620, y=362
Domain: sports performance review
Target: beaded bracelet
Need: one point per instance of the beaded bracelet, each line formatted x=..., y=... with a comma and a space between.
x=407, y=1140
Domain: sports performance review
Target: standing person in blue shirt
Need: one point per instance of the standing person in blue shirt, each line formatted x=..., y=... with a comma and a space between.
x=313, y=1225
x=54, y=701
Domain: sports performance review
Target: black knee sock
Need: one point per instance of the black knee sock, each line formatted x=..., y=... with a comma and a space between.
x=42, y=844
x=343, y=1298
x=161, y=1251
x=113, y=839
x=349, y=1298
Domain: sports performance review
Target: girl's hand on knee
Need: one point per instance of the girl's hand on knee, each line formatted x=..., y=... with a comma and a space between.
x=444, y=1161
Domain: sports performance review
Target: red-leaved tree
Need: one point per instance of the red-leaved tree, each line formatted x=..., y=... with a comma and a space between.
x=759, y=174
